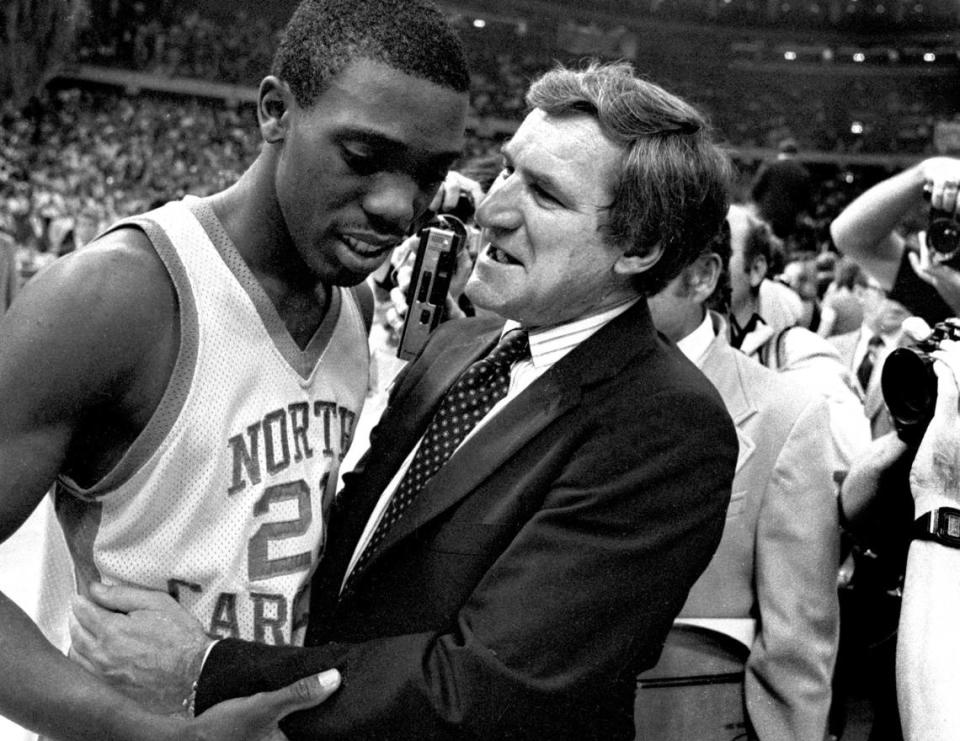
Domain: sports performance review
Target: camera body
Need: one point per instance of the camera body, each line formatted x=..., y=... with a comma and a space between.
x=943, y=235
x=909, y=383
x=433, y=270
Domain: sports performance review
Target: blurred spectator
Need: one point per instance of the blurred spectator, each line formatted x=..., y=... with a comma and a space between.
x=841, y=310
x=772, y=582
x=865, y=349
x=795, y=350
x=801, y=275
x=83, y=229
x=9, y=277
x=783, y=190
x=779, y=305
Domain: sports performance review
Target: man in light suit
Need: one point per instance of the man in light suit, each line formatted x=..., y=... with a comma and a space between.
x=541, y=566
x=864, y=350
x=772, y=582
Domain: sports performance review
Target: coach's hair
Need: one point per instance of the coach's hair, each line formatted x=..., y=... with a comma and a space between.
x=673, y=185
x=324, y=36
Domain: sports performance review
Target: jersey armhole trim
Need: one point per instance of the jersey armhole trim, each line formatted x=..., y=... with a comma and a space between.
x=175, y=394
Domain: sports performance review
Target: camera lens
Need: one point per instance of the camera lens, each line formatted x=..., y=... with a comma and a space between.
x=943, y=237
x=909, y=387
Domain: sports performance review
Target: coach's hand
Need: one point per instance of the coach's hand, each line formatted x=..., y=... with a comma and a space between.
x=139, y=641
x=255, y=718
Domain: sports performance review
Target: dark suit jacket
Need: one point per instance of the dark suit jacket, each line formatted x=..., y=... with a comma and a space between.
x=536, y=573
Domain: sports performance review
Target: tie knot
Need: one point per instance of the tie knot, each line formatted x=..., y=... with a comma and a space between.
x=875, y=341
x=513, y=346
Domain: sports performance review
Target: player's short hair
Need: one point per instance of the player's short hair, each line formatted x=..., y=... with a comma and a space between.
x=324, y=36
x=673, y=185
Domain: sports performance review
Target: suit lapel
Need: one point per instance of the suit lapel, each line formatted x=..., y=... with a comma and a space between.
x=411, y=406
x=483, y=453
x=554, y=393
x=847, y=347
x=719, y=365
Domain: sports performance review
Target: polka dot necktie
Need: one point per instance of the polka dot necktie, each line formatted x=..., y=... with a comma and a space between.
x=468, y=401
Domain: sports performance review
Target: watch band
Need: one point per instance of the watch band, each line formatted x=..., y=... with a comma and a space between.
x=940, y=525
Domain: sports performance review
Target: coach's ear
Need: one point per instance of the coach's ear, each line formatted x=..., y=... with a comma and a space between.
x=273, y=109
x=633, y=264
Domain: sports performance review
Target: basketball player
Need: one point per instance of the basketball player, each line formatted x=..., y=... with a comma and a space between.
x=189, y=382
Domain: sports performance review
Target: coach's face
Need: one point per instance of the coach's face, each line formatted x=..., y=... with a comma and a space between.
x=355, y=169
x=546, y=258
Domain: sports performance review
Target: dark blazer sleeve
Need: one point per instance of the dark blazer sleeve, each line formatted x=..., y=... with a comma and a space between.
x=556, y=629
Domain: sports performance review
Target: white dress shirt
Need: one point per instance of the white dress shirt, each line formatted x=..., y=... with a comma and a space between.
x=695, y=344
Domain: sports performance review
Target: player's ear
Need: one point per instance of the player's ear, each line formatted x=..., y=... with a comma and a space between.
x=273, y=109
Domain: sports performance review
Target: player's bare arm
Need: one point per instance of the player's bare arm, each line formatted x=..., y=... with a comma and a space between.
x=85, y=356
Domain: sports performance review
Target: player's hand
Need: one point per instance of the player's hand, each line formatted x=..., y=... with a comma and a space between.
x=141, y=642
x=935, y=475
x=255, y=718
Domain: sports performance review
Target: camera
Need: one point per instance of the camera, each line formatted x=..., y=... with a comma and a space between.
x=943, y=235
x=433, y=269
x=909, y=383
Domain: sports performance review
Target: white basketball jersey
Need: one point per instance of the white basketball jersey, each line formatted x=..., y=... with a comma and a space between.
x=221, y=499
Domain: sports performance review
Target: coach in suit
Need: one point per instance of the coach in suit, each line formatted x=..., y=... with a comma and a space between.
x=519, y=591
x=772, y=581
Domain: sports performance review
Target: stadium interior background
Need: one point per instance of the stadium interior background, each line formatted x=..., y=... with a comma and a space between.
x=122, y=104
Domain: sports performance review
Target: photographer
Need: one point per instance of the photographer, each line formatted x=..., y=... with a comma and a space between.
x=928, y=683
x=866, y=231
x=877, y=510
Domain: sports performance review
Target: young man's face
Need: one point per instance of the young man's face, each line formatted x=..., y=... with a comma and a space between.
x=359, y=165
x=545, y=258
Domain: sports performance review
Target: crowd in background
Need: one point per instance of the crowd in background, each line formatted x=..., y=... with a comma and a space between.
x=91, y=156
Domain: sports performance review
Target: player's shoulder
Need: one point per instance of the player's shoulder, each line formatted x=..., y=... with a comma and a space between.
x=119, y=268
x=117, y=287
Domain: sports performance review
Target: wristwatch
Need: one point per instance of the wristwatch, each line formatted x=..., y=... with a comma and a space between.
x=940, y=525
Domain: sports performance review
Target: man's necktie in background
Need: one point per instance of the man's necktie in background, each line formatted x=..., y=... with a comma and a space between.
x=865, y=369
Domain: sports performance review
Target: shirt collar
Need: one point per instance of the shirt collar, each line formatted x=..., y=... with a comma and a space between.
x=696, y=344
x=548, y=345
